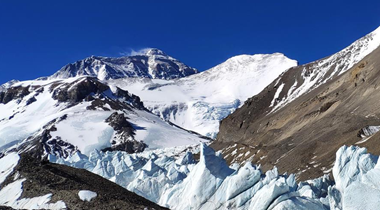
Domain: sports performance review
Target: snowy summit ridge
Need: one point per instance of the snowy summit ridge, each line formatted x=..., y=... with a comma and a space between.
x=149, y=63
x=199, y=101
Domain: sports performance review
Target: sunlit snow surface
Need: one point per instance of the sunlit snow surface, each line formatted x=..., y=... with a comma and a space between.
x=172, y=178
x=198, y=102
x=83, y=128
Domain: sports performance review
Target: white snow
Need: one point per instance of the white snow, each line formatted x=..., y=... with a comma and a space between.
x=87, y=130
x=7, y=165
x=198, y=102
x=143, y=65
x=83, y=128
x=277, y=94
x=87, y=195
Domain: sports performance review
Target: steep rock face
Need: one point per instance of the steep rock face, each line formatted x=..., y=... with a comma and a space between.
x=29, y=183
x=124, y=135
x=300, y=120
x=13, y=93
x=153, y=64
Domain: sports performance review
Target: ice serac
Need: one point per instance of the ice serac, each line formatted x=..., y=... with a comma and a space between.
x=293, y=123
x=198, y=102
x=357, y=176
x=163, y=176
x=153, y=63
x=202, y=182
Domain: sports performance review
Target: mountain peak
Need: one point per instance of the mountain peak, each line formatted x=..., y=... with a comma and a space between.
x=147, y=63
x=154, y=51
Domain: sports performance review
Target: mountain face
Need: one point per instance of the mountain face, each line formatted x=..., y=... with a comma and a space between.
x=62, y=117
x=198, y=102
x=300, y=120
x=153, y=64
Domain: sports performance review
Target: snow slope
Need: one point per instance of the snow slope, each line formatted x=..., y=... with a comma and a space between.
x=198, y=102
x=71, y=115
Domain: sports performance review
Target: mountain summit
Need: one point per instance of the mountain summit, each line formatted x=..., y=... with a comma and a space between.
x=152, y=63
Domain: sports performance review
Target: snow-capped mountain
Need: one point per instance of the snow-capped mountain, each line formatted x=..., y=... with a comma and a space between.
x=300, y=119
x=198, y=102
x=81, y=114
x=178, y=93
x=89, y=115
x=153, y=63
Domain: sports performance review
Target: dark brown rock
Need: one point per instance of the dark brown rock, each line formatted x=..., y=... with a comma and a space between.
x=65, y=182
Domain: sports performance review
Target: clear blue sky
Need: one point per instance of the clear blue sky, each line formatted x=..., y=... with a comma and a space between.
x=39, y=37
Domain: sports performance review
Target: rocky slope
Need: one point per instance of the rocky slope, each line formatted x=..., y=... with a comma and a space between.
x=152, y=64
x=300, y=120
x=28, y=183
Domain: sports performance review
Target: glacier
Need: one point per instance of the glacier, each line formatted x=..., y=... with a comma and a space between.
x=175, y=178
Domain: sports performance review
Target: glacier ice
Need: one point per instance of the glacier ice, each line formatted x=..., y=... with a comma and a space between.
x=175, y=178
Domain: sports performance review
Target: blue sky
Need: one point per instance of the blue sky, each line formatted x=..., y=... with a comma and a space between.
x=39, y=37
